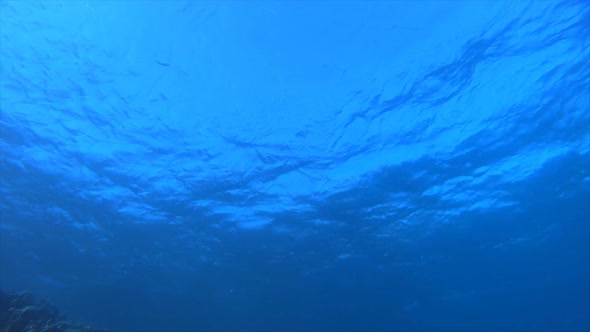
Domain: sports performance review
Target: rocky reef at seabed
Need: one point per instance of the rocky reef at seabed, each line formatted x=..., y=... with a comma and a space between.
x=20, y=312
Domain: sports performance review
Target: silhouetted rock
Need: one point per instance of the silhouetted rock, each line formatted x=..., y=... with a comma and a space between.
x=19, y=312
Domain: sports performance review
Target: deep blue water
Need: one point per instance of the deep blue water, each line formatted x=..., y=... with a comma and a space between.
x=298, y=166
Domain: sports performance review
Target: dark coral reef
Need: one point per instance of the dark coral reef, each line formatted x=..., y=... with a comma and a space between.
x=21, y=312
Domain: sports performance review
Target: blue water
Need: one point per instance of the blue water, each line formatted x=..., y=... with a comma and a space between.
x=298, y=166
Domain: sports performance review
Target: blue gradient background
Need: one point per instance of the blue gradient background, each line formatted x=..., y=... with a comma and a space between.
x=298, y=166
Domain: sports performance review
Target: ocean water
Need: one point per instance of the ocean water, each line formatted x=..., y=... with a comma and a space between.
x=298, y=166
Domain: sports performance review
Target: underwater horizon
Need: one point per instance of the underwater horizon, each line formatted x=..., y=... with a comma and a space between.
x=298, y=166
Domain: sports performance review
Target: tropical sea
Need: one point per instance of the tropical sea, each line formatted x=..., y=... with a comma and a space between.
x=298, y=166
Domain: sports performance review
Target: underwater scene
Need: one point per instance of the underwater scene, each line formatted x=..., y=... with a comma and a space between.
x=294, y=165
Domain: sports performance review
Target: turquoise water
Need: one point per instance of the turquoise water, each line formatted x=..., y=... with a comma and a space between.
x=298, y=166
